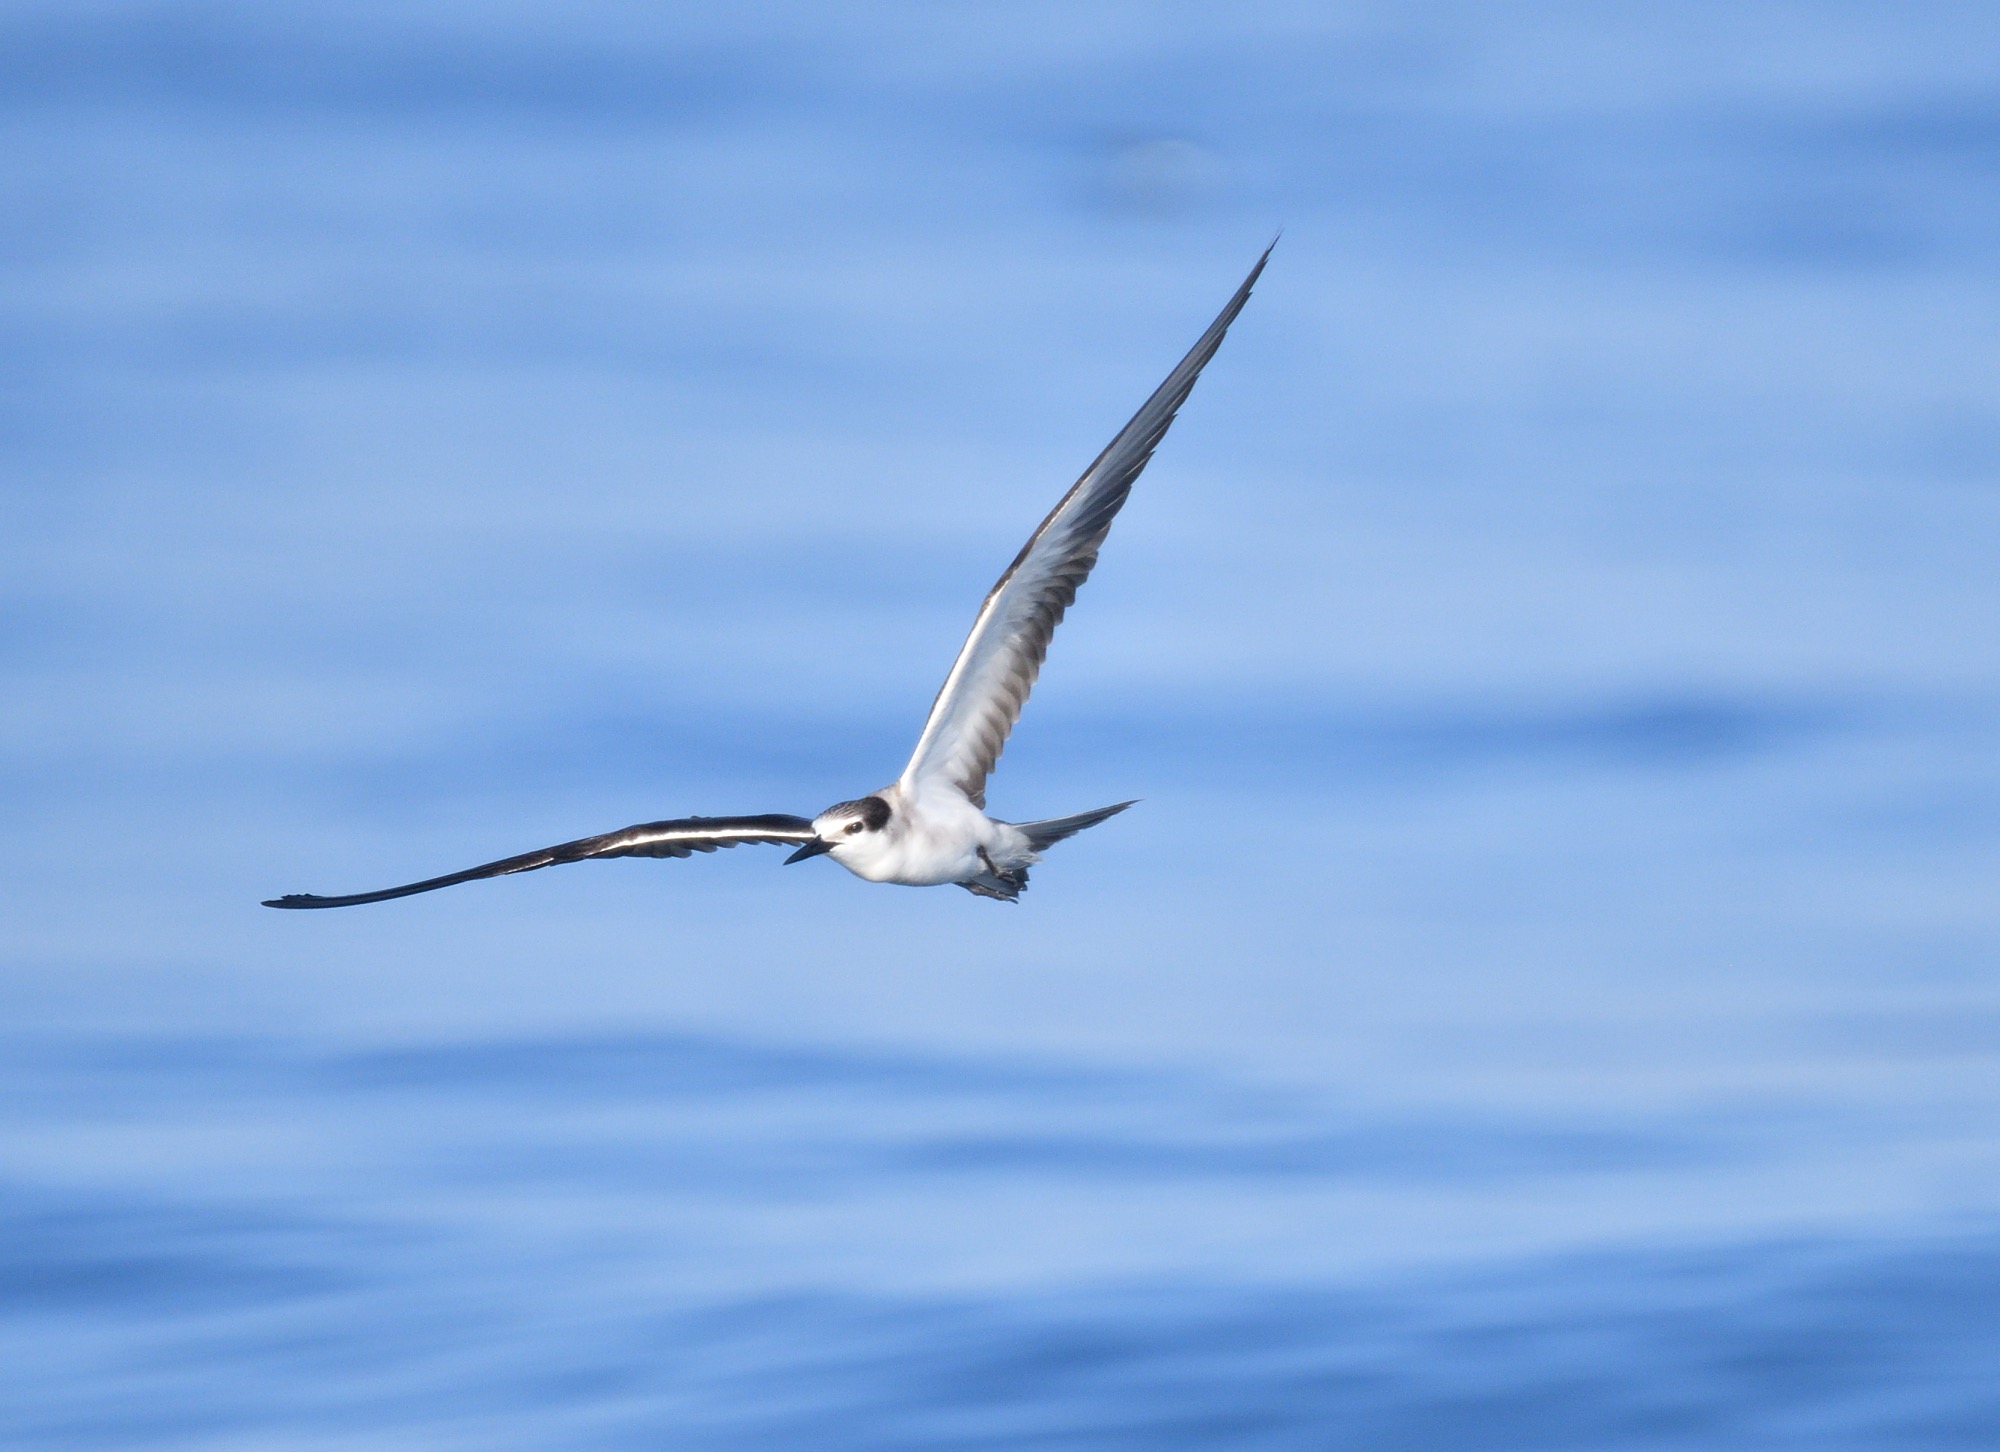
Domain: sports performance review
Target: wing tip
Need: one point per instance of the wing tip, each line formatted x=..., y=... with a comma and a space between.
x=1257, y=271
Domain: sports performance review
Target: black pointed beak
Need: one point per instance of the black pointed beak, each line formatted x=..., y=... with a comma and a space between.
x=812, y=849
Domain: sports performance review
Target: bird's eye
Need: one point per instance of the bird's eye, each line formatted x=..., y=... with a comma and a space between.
x=852, y=828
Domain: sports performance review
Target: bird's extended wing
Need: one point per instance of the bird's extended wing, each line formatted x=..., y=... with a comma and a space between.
x=679, y=838
x=996, y=667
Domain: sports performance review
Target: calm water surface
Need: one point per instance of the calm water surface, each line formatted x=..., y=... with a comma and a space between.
x=657, y=1241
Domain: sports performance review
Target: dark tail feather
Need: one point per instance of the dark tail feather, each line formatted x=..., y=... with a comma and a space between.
x=1041, y=835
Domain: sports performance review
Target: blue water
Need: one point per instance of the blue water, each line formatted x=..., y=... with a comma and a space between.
x=658, y=1240
x=1548, y=996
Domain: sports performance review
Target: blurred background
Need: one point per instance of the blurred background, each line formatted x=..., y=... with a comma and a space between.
x=1547, y=998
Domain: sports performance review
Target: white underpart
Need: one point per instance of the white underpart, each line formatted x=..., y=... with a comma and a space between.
x=933, y=838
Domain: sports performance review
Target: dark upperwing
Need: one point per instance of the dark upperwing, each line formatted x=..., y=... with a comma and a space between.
x=681, y=837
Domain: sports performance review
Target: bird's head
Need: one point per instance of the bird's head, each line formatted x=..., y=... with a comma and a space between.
x=846, y=828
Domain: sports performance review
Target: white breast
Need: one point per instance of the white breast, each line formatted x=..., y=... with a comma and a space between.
x=931, y=839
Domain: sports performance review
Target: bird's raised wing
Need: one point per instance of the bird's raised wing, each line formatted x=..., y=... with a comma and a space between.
x=996, y=667
x=679, y=838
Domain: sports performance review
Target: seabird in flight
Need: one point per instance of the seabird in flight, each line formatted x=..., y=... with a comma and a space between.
x=929, y=826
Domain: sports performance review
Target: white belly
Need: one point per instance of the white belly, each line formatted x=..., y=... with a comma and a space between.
x=934, y=840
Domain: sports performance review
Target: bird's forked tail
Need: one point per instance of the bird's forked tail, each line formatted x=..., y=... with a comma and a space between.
x=1047, y=833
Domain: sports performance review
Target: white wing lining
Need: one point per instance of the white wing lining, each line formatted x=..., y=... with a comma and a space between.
x=988, y=684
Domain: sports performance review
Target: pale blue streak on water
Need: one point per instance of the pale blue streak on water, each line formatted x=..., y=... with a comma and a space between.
x=1546, y=999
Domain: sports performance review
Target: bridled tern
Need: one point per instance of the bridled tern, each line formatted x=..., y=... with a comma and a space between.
x=929, y=826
